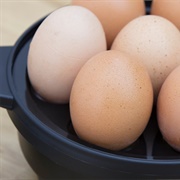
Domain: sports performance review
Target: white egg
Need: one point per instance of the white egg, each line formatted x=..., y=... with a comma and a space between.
x=64, y=41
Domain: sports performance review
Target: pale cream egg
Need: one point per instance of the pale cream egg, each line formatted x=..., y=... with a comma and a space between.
x=64, y=41
x=156, y=42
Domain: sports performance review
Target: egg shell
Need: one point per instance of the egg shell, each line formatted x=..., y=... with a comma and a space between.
x=156, y=42
x=64, y=41
x=168, y=109
x=111, y=100
x=114, y=15
x=169, y=9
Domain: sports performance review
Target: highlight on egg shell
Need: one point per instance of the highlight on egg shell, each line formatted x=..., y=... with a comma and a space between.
x=64, y=41
x=156, y=42
x=113, y=15
x=111, y=100
x=168, y=109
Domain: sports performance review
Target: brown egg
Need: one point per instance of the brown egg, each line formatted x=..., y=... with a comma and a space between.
x=156, y=42
x=169, y=9
x=114, y=15
x=111, y=100
x=168, y=109
x=64, y=41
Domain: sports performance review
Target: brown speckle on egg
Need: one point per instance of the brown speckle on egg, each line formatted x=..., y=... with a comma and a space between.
x=169, y=9
x=156, y=42
x=119, y=98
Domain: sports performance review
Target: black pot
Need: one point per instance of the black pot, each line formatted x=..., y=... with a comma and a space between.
x=50, y=144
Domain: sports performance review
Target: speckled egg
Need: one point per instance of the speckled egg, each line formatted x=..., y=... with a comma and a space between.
x=169, y=9
x=111, y=100
x=156, y=42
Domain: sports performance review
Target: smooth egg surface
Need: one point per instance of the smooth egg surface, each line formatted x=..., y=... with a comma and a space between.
x=111, y=100
x=113, y=14
x=64, y=41
x=168, y=109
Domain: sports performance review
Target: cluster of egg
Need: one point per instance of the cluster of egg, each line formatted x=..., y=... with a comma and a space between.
x=112, y=64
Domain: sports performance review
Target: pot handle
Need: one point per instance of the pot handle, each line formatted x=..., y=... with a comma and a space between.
x=6, y=97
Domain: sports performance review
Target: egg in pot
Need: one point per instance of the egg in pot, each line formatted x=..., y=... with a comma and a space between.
x=168, y=109
x=111, y=100
x=113, y=15
x=156, y=42
x=64, y=41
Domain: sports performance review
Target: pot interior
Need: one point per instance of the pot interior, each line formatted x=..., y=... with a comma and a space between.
x=150, y=144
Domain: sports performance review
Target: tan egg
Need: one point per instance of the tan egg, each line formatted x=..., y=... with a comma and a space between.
x=168, y=109
x=64, y=41
x=114, y=15
x=156, y=42
x=169, y=9
x=111, y=100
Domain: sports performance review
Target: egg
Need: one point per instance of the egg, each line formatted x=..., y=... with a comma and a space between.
x=113, y=14
x=168, y=107
x=111, y=100
x=168, y=9
x=156, y=42
x=64, y=41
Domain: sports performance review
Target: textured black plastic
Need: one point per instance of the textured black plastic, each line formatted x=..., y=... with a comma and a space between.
x=6, y=99
x=51, y=146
